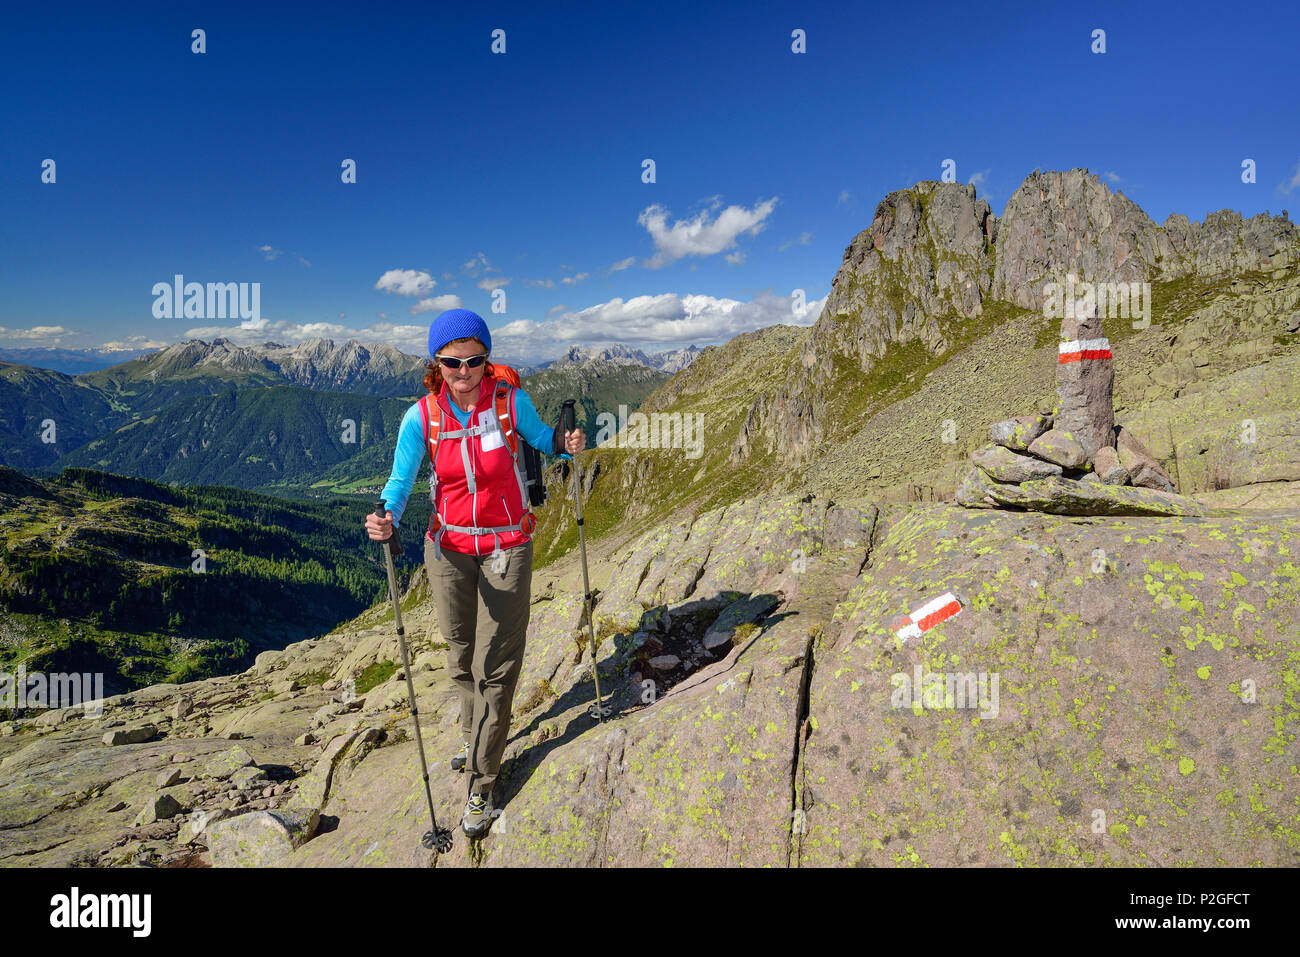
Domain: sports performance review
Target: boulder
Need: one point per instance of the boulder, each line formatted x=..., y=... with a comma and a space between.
x=199, y=821
x=736, y=614
x=137, y=735
x=1004, y=465
x=56, y=717
x=226, y=763
x=1108, y=468
x=1142, y=467
x=1016, y=433
x=1062, y=496
x=245, y=778
x=260, y=838
x=160, y=807
x=973, y=492
x=1060, y=447
x=268, y=661
x=283, y=685
x=327, y=713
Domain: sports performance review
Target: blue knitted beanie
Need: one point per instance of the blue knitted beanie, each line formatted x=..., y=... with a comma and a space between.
x=458, y=324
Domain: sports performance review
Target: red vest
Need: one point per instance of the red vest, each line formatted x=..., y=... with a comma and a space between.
x=479, y=500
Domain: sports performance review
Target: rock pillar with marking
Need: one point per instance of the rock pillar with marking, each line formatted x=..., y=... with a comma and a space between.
x=1085, y=381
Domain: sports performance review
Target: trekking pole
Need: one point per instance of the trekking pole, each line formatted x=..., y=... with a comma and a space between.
x=438, y=839
x=597, y=710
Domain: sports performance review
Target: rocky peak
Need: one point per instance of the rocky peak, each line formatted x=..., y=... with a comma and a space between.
x=1226, y=242
x=924, y=259
x=935, y=255
x=675, y=360
x=1061, y=223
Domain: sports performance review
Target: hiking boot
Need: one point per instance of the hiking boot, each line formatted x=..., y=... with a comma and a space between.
x=460, y=757
x=478, y=814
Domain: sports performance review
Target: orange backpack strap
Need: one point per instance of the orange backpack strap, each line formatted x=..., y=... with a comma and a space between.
x=431, y=420
x=503, y=394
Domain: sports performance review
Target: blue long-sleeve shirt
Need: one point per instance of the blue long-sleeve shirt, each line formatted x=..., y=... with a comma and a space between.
x=410, y=452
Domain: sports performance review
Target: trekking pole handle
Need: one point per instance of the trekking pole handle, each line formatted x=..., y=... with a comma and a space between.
x=567, y=417
x=392, y=541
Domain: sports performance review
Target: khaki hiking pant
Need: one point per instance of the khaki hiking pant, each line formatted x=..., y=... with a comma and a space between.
x=483, y=617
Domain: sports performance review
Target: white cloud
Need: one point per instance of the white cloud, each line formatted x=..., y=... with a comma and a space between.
x=1113, y=176
x=133, y=342
x=487, y=285
x=35, y=333
x=622, y=264
x=735, y=258
x=436, y=304
x=406, y=282
x=844, y=197
x=1286, y=188
x=543, y=283
x=574, y=280
x=666, y=321
x=698, y=236
x=272, y=254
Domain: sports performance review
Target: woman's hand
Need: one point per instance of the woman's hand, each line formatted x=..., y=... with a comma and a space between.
x=379, y=529
x=575, y=441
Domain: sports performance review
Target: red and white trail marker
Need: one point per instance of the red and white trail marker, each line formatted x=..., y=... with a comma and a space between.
x=926, y=617
x=1078, y=350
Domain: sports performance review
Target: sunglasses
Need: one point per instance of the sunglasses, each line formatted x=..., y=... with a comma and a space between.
x=453, y=362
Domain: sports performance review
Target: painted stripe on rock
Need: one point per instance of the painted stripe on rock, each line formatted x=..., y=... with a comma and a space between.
x=928, y=615
x=1077, y=350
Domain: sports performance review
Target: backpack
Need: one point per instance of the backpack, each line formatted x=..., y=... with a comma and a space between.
x=531, y=458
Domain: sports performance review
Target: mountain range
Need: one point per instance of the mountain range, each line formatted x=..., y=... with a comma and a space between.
x=200, y=411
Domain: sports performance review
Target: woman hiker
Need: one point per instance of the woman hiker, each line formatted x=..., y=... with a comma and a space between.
x=481, y=582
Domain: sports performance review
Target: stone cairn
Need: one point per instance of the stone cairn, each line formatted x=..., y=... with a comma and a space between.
x=1042, y=461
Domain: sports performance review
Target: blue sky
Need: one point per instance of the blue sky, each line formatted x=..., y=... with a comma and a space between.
x=523, y=170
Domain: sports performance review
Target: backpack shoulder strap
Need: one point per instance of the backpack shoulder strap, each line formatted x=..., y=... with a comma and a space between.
x=431, y=422
x=503, y=398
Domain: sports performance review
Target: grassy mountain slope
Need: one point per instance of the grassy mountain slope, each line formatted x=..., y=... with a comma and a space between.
x=886, y=427
x=249, y=438
x=598, y=386
x=97, y=574
x=29, y=396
